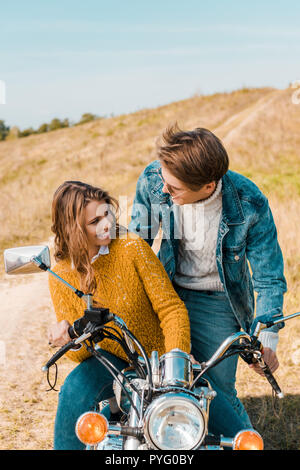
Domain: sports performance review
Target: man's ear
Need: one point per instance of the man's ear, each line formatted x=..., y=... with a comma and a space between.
x=210, y=186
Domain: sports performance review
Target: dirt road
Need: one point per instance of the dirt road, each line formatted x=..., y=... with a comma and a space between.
x=27, y=410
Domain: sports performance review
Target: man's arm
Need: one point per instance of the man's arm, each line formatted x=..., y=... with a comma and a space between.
x=266, y=261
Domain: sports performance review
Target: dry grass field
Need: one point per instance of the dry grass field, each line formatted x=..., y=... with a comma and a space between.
x=260, y=129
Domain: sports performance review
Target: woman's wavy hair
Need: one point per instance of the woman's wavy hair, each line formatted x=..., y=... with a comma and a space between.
x=68, y=225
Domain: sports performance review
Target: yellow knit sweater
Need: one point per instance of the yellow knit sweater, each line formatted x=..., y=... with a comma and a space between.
x=132, y=283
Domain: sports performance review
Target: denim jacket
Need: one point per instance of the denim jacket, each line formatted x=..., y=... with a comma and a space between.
x=246, y=235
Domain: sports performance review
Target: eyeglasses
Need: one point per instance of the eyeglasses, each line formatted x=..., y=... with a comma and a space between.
x=173, y=192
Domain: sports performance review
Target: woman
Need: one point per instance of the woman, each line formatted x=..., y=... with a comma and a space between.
x=123, y=274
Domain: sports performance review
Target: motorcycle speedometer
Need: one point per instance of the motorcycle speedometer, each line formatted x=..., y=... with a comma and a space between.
x=175, y=421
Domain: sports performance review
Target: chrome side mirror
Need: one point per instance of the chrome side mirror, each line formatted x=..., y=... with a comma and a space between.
x=20, y=260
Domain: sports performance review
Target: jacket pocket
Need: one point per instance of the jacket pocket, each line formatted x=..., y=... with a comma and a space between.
x=235, y=265
x=234, y=254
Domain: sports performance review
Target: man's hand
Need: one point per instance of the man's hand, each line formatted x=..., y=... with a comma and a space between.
x=270, y=358
x=58, y=334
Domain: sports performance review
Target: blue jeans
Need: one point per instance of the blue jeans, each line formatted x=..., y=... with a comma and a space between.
x=212, y=321
x=90, y=382
x=87, y=385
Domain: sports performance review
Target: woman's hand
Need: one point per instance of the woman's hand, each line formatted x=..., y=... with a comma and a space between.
x=58, y=334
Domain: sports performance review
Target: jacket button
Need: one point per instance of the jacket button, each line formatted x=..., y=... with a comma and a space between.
x=236, y=257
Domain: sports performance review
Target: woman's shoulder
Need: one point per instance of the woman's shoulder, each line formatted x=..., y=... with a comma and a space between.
x=134, y=247
x=131, y=242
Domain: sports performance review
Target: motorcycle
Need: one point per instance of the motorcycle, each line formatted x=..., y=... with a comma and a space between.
x=159, y=403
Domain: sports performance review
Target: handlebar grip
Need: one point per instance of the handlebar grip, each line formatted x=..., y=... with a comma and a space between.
x=272, y=381
x=58, y=354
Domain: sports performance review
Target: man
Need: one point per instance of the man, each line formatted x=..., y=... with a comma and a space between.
x=213, y=222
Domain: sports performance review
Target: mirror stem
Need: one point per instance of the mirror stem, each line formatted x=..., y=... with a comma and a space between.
x=79, y=293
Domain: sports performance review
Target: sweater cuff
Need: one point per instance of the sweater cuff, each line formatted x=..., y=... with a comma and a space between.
x=269, y=339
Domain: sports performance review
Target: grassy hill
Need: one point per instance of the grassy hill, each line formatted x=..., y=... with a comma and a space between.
x=259, y=128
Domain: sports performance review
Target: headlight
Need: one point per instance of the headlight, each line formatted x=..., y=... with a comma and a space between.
x=175, y=422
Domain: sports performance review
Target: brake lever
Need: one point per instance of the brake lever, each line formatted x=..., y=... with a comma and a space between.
x=269, y=376
x=65, y=348
x=256, y=357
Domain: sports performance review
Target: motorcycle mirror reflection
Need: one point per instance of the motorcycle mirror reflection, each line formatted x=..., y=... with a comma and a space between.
x=20, y=260
x=33, y=259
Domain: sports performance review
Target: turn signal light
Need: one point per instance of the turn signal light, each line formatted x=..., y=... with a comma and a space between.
x=248, y=440
x=91, y=428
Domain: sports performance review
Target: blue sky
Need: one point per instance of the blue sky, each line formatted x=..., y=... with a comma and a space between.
x=64, y=58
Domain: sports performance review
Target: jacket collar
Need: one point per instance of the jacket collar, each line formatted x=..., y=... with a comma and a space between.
x=232, y=209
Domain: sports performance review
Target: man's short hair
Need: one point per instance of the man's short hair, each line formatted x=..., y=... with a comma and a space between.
x=195, y=157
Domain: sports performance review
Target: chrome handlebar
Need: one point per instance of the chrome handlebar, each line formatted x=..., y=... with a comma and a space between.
x=262, y=326
x=225, y=346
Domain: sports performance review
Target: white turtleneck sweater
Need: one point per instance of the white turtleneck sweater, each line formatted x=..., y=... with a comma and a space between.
x=197, y=228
